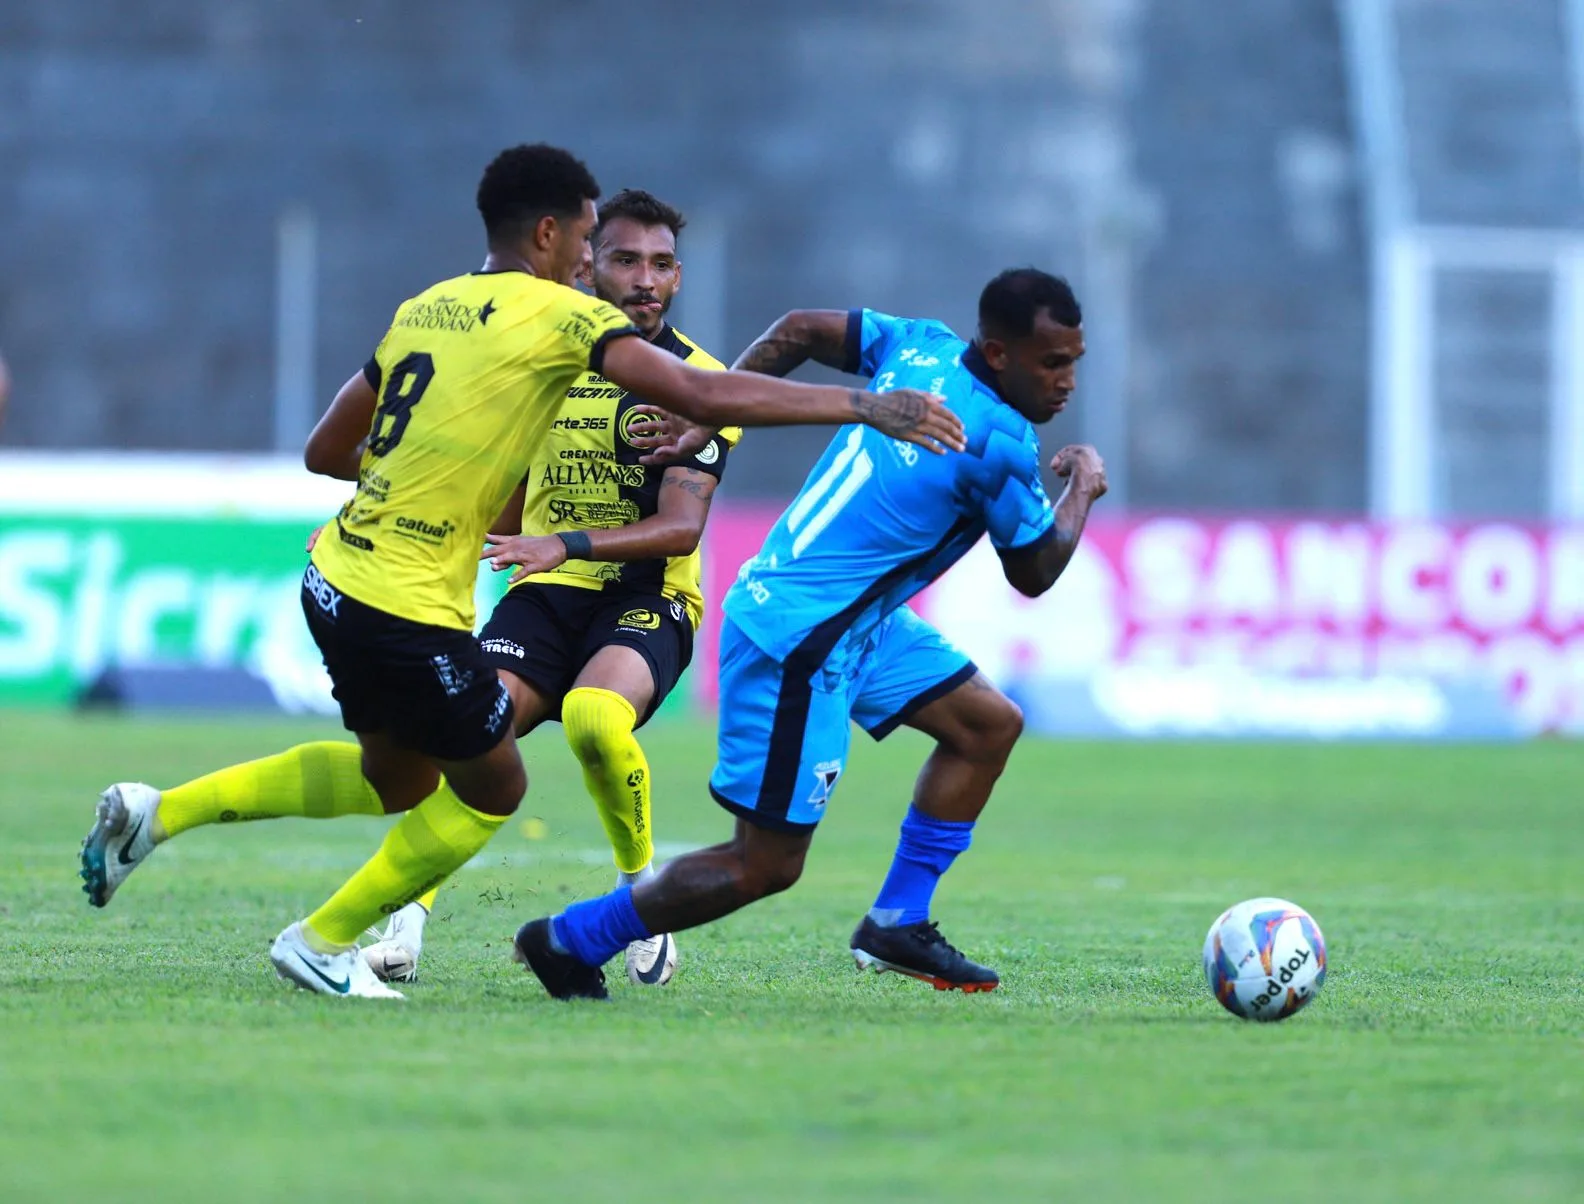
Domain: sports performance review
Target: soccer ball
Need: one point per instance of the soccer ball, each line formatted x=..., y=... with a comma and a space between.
x=1265, y=959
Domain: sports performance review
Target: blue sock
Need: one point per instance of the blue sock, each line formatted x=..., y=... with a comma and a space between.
x=596, y=930
x=925, y=851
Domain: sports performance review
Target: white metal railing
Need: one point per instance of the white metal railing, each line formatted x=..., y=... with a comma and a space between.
x=1405, y=427
x=1406, y=259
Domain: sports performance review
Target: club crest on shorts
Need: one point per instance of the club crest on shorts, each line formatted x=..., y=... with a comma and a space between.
x=640, y=618
x=826, y=775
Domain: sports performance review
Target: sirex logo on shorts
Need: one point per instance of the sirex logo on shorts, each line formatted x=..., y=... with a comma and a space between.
x=321, y=591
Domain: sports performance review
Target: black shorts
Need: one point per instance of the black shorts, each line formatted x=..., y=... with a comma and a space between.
x=545, y=634
x=430, y=688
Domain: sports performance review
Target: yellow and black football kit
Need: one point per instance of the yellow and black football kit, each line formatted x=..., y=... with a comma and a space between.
x=470, y=376
x=586, y=476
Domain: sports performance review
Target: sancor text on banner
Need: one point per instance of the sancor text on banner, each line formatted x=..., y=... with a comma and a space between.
x=1178, y=625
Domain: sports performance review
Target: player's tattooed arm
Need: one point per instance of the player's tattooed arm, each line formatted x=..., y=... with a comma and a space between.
x=795, y=338
x=738, y=398
x=1033, y=572
x=898, y=413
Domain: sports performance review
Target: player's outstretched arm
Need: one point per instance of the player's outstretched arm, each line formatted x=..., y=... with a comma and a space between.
x=797, y=337
x=748, y=399
x=335, y=448
x=674, y=529
x=1034, y=571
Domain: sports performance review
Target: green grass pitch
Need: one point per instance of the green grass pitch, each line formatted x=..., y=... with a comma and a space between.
x=149, y=1053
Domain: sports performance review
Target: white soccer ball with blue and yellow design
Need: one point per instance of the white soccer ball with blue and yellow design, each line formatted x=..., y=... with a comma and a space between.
x=1265, y=959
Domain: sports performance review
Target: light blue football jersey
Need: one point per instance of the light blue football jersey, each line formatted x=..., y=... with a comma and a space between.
x=879, y=519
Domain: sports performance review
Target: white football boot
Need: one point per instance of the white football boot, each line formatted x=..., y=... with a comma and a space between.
x=652, y=961
x=120, y=840
x=394, y=955
x=344, y=973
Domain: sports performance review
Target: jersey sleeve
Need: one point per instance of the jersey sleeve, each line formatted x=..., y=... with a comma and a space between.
x=1017, y=511
x=712, y=458
x=871, y=337
x=588, y=326
x=700, y=358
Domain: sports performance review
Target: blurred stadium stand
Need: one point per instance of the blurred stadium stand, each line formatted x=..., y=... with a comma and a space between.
x=1194, y=167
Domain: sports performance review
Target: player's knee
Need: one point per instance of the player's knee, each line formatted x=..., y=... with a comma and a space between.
x=769, y=872
x=1006, y=727
x=768, y=880
x=988, y=735
x=493, y=784
x=398, y=786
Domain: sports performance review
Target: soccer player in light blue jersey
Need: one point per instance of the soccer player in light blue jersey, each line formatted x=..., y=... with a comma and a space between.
x=817, y=633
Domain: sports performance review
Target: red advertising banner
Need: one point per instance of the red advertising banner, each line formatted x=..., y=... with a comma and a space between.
x=1495, y=600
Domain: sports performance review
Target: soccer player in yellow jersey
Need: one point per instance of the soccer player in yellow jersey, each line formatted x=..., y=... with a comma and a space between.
x=437, y=430
x=598, y=639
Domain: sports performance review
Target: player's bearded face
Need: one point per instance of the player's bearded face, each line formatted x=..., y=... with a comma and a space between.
x=1042, y=368
x=636, y=268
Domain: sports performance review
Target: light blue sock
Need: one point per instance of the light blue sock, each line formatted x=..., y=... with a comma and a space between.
x=925, y=851
x=595, y=930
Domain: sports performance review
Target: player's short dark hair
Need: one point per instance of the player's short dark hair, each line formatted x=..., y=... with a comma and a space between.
x=644, y=208
x=1009, y=302
x=525, y=183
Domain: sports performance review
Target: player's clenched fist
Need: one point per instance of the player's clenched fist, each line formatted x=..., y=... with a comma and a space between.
x=1081, y=464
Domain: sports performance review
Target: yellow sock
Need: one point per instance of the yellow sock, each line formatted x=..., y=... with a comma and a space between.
x=599, y=727
x=318, y=781
x=427, y=899
x=425, y=846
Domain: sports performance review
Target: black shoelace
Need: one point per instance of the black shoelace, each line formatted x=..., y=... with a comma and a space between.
x=930, y=934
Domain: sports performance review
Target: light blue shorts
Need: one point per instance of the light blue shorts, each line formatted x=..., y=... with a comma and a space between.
x=784, y=730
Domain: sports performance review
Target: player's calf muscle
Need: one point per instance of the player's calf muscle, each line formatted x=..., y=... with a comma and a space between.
x=714, y=882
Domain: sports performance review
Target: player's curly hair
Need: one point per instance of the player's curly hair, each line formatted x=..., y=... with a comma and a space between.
x=525, y=183
x=1009, y=302
x=644, y=208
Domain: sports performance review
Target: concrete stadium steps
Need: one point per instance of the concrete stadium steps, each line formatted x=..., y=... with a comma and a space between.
x=1490, y=126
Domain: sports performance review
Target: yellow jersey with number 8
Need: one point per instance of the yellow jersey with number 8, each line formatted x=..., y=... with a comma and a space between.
x=470, y=376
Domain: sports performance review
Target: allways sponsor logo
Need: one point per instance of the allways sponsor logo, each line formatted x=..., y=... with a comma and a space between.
x=592, y=472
